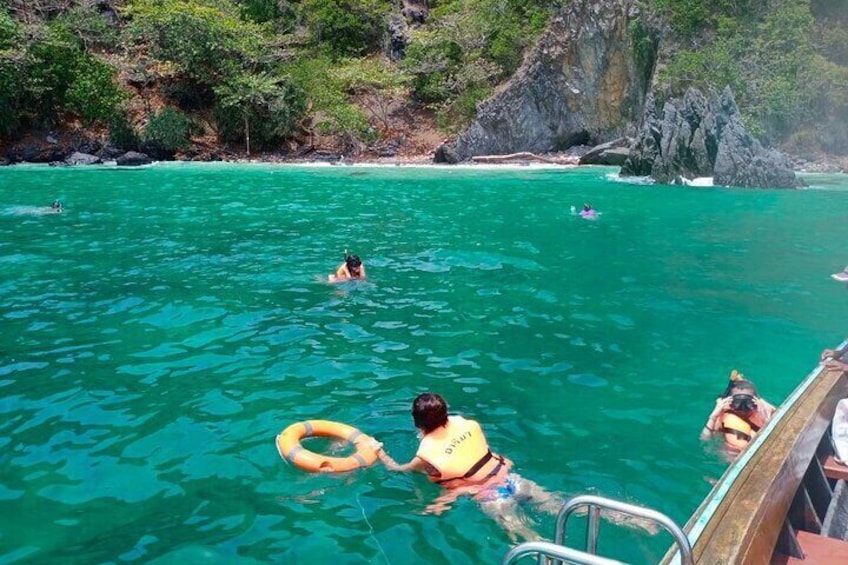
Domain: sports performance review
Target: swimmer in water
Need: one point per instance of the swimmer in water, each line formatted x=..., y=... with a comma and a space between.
x=454, y=453
x=352, y=268
x=738, y=415
x=57, y=207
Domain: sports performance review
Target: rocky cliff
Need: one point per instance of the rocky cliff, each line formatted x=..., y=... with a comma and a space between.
x=584, y=82
x=700, y=137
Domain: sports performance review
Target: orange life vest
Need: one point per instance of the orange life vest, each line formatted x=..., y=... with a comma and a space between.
x=459, y=453
x=738, y=431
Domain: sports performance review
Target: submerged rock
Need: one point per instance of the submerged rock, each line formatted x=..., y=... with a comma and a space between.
x=700, y=137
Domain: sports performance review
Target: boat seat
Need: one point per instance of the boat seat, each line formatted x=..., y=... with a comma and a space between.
x=834, y=470
x=820, y=549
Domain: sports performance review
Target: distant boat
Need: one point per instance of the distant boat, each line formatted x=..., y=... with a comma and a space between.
x=841, y=277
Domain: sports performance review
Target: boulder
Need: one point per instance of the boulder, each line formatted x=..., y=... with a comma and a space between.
x=700, y=137
x=78, y=158
x=612, y=153
x=446, y=154
x=133, y=159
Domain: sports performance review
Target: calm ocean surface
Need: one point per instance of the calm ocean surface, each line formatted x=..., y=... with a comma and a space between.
x=160, y=333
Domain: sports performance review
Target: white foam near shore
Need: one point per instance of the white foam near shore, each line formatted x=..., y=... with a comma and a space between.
x=615, y=177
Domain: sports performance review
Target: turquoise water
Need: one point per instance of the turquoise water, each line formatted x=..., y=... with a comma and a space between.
x=160, y=333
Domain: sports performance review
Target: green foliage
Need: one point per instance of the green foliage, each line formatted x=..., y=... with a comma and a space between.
x=347, y=27
x=168, y=130
x=768, y=57
x=327, y=95
x=10, y=33
x=261, y=107
x=205, y=39
x=467, y=48
x=93, y=95
x=693, y=16
x=462, y=110
x=90, y=26
x=279, y=13
x=53, y=57
x=121, y=133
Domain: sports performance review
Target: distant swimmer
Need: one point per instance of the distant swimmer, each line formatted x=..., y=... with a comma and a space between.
x=351, y=269
x=57, y=207
x=841, y=276
x=588, y=212
x=738, y=414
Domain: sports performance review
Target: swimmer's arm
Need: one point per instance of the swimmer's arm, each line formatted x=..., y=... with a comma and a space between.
x=342, y=272
x=417, y=464
x=362, y=271
x=710, y=427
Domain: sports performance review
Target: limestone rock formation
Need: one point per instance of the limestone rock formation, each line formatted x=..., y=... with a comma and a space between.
x=584, y=82
x=700, y=137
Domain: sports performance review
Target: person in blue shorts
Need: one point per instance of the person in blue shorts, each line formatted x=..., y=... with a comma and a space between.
x=454, y=453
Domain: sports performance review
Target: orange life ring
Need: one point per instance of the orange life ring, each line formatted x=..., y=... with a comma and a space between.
x=288, y=444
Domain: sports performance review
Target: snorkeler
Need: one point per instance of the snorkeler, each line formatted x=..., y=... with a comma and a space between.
x=455, y=454
x=57, y=207
x=738, y=414
x=352, y=268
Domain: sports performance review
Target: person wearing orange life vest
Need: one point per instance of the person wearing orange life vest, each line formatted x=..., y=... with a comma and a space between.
x=455, y=454
x=738, y=414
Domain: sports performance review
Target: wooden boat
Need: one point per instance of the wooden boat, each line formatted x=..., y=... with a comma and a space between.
x=784, y=499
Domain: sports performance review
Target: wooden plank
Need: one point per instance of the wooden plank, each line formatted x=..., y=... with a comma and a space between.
x=745, y=526
x=834, y=470
x=819, y=549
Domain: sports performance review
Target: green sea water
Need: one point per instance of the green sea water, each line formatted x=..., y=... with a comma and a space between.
x=158, y=334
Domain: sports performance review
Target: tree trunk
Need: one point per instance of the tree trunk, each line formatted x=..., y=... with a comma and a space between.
x=247, y=134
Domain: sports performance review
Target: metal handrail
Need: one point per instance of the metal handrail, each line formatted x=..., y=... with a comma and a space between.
x=554, y=551
x=596, y=503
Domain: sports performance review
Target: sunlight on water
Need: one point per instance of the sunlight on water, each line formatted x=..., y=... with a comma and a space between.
x=160, y=332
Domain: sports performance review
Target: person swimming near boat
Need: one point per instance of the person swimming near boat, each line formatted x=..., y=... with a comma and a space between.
x=351, y=269
x=738, y=415
x=57, y=207
x=834, y=359
x=454, y=453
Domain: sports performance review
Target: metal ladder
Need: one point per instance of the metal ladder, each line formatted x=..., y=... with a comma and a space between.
x=559, y=553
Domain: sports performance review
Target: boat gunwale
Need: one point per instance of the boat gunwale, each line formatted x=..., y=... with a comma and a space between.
x=740, y=520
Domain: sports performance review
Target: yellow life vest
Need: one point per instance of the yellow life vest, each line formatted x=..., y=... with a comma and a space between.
x=738, y=431
x=459, y=453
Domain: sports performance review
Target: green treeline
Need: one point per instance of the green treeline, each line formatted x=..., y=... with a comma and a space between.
x=259, y=73
x=786, y=61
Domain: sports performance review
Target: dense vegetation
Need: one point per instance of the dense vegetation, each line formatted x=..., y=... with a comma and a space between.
x=786, y=60
x=258, y=74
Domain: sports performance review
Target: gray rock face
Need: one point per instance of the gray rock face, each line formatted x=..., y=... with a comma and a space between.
x=697, y=137
x=585, y=81
x=133, y=159
x=612, y=153
x=445, y=154
x=78, y=158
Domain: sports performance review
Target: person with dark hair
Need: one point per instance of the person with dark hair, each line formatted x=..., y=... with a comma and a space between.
x=454, y=453
x=352, y=268
x=57, y=207
x=739, y=413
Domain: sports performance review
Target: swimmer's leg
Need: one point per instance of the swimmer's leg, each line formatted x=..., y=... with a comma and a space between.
x=505, y=513
x=552, y=503
x=542, y=499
